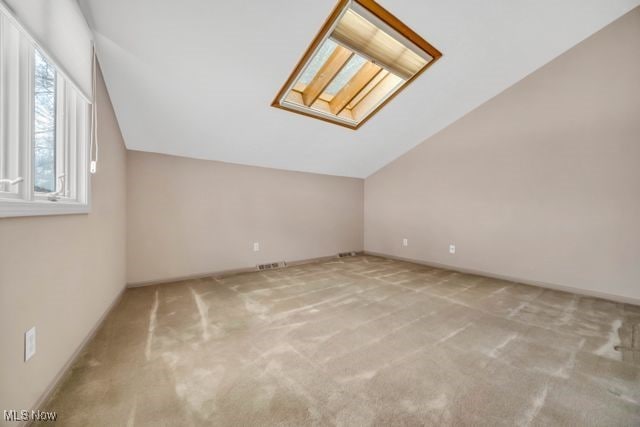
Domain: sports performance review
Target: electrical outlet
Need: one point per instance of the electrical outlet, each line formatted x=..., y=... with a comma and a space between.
x=452, y=249
x=29, y=343
x=256, y=246
x=405, y=242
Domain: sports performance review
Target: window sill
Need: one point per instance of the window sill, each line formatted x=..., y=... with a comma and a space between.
x=18, y=208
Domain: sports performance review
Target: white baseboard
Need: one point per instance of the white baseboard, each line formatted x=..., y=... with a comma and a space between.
x=563, y=288
x=226, y=273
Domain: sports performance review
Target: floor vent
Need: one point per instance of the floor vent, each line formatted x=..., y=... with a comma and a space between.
x=272, y=265
x=345, y=254
x=630, y=345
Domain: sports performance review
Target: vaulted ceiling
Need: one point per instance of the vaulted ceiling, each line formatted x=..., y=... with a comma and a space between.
x=196, y=78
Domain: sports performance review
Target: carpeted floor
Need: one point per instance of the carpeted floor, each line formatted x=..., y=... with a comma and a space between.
x=356, y=341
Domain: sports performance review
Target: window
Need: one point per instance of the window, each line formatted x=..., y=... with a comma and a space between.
x=44, y=130
x=44, y=125
x=361, y=58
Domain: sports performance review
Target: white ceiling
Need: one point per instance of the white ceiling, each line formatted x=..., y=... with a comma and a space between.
x=196, y=78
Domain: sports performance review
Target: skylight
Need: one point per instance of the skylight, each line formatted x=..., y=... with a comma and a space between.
x=362, y=57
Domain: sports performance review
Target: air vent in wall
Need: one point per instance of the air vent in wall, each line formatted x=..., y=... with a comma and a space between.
x=272, y=265
x=345, y=254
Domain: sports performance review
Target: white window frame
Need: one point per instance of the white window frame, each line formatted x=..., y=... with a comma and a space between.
x=73, y=134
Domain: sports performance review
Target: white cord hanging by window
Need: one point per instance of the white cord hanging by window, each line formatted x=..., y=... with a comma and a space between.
x=93, y=147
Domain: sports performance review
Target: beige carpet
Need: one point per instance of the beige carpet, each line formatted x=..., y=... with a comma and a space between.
x=357, y=341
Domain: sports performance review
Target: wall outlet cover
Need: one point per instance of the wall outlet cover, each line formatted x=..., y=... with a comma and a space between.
x=405, y=242
x=29, y=343
x=452, y=249
x=256, y=247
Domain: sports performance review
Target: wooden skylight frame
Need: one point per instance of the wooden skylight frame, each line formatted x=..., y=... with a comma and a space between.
x=394, y=57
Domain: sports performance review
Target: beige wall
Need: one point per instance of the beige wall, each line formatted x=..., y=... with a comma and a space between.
x=60, y=274
x=541, y=183
x=188, y=217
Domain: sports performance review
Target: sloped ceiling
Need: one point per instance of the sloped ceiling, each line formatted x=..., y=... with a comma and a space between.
x=195, y=78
